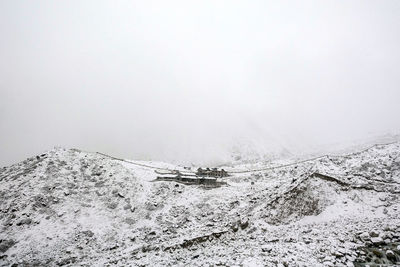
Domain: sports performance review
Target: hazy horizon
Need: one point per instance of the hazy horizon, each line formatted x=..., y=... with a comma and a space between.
x=188, y=81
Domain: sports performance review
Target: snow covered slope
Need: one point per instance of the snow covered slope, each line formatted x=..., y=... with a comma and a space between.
x=68, y=207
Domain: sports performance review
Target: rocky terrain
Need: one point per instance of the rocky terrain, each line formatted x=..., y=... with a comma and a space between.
x=69, y=207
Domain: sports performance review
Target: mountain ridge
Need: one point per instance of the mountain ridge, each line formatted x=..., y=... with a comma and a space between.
x=68, y=207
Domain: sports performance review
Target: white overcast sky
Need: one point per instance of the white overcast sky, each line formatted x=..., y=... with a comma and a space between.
x=188, y=80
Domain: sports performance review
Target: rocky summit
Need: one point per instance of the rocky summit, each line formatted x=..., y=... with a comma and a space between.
x=67, y=207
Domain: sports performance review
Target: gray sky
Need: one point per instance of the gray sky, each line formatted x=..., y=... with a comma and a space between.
x=188, y=80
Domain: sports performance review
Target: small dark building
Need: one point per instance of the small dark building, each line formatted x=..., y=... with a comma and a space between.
x=214, y=172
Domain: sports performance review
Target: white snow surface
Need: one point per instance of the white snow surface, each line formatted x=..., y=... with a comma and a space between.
x=68, y=207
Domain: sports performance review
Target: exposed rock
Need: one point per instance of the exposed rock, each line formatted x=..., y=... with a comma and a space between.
x=112, y=205
x=24, y=221
x=337, y=253
x=235, y=227
x=391, y=256
x=307, y=240
x=112, y=246
x=6, y=244
x=377, y=253
x=382, y=198
x=114, y=191
x=244, y=223
x=377, y=240
x=130, y=221
x=88, y=233
x=266, y=248
x=374, y=234
x=365, y=236
x=127, y=207
x=66, y=261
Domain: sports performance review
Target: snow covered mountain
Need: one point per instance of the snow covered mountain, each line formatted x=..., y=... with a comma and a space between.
x=69, y=207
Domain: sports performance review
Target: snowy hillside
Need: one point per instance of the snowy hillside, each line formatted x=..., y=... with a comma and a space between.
x=68, y=207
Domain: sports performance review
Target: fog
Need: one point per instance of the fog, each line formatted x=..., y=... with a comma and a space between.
x=189, y=81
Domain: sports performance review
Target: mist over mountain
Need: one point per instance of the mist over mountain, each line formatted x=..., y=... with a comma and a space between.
x=190, y=82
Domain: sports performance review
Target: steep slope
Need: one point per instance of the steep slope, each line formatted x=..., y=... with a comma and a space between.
x=68, y=207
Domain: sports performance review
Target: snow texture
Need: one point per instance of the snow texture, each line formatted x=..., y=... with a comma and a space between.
x=69, y=207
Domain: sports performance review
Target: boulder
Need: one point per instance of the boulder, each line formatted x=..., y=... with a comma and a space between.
x=112, y=205
x=244, y=223
x=337, y=253
x=377, y=241
x=6, y=244
x=307, y=240
x=266, y=248
x=365, y=236
x=235, y=227
x=374, y=234
x=24, y=221
x=391, y=256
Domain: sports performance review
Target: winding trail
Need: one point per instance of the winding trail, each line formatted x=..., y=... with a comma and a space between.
x=250, y=170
